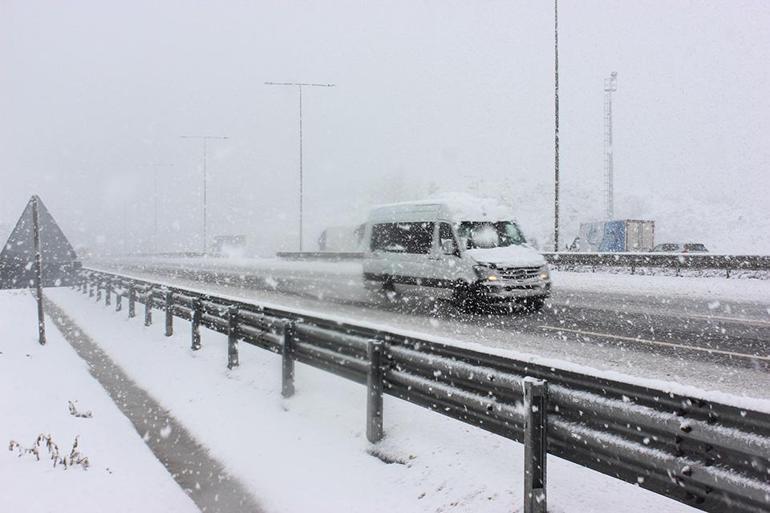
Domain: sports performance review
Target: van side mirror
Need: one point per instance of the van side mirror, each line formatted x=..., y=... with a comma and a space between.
x=448, y=247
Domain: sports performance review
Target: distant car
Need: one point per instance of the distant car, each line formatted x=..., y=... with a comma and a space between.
x=680, y=247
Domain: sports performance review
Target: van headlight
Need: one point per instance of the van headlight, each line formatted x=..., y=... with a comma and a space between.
x=486, y=273
x=544, y=274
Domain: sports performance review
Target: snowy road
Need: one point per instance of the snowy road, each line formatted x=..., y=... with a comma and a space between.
x=685, y=330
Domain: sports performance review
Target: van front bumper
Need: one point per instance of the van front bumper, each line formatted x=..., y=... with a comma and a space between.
x=510, y=291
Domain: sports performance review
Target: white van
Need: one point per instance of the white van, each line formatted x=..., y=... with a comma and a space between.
x=464, y=247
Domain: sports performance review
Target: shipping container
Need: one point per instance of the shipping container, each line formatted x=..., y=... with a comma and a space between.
x=623, y=235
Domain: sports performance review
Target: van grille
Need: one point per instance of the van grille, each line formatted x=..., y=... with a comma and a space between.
x=519, y=273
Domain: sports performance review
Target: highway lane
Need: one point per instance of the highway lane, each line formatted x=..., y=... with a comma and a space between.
x=723, y=344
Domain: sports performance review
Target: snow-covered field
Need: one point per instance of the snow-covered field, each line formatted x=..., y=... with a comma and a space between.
x=36, y=384
x=311, y=452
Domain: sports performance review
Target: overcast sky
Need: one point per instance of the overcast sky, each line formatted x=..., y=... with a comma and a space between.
x=429, y=94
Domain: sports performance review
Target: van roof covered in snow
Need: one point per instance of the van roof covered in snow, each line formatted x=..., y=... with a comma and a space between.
x=455, y=207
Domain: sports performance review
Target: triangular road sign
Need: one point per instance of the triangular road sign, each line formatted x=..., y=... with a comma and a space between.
x=17, y=258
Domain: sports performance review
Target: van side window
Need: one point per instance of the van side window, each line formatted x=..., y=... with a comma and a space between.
x=446, y=240
x=402, y=237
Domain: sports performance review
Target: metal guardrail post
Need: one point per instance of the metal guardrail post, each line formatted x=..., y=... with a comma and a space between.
x=197, y=314
x=98, y=290
x=169, y=313
x=91, y=289
x=108, y=293
x=232, y=337
x=118, y=301
x=84, y=285
x=148, y=307
x=287, y=360
x=131, y=301
x=535, y=444
x=374, y=387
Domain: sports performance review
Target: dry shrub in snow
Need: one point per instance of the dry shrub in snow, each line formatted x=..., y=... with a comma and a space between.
x=75, y=413
x=46, y=441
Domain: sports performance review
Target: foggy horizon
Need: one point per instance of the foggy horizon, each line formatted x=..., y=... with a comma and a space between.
x=428, y=96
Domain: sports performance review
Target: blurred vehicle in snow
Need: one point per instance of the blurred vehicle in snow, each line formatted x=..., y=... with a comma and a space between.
x=229, y=246
x=341, y=239
x=680, y=247
x=467, y=248
x=615, y=236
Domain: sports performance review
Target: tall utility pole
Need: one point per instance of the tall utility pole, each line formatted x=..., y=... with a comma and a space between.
x=610, y=86
x=299, y=86
x=205, y=139
x=556, y=127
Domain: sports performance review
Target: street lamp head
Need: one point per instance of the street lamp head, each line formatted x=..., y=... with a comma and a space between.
x=299, y=84
x=611, y=84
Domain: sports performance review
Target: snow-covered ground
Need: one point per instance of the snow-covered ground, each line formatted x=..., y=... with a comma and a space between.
x=36, y=384
x=311, y=452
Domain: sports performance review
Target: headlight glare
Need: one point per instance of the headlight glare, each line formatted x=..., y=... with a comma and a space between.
x=486, y=273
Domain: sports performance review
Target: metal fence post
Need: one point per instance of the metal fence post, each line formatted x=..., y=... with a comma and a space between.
x=169, y=313
x=108, y=293
x=232, y=337
x=148, y=307
x=197, y=314
x=131, y=300
x=535, y=444
x=98, y=290
x=374, y=392
x=287, y=360
x=118, y=301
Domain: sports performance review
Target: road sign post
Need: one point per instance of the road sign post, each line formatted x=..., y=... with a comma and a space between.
x=38, y=272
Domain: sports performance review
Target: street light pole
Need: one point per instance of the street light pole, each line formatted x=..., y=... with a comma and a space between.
x=205, y=139
x=299, y=86
x=556, y=127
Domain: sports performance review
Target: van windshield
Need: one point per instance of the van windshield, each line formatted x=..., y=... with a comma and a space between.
x=485, y=234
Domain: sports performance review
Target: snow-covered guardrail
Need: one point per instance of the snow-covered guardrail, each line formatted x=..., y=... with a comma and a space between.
x=320, y=255
x=674, y=261
x=712, y=456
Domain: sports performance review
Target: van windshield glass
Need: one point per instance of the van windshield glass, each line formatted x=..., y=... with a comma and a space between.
x=485, y=234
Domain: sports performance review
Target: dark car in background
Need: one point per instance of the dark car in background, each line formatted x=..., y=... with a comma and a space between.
x=680, y=247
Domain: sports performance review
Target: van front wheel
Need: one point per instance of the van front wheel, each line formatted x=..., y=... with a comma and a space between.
x=467, y=299
x=389, y=288
x=534, y=304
